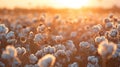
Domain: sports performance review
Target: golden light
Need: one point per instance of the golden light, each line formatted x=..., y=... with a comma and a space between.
x=73, y=3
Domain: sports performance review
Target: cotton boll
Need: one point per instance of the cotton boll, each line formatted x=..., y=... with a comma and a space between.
x=84, y=44
x=60, y=53
x=58, y=64
x=118, y=27
x=21, y=51
x=92, y=65
x=58, y=38
x=39, y=53
x=19, y=26
x=34, y=20
x=106, y=49
x=75, y=64
x=38, y=38
x=118, y=46
x=16, y=62
x=73, y=34
x=97, y=39
x=11, y=41
x=30, y=65
x=70, y=44
x=42, y=18
x=33, y=58
x=60, y=47
x=3, y=28
x=36, y=65
x=18, y=50
x=93, y=59
x=92, y=48
x=56, y=16
x=41, y=28
x=2, y=64
x=5, y=55
x=10, y=35
x=69, y=53
x=46, y=49
x=12, y=51
x=47, y=61
x=26, y=30
x=52, y=50
x=113, y=33
x=49, y=49
x=96, y=28
x=99, y=25
x=106, y=20
x=100, y=39
x=109, y=25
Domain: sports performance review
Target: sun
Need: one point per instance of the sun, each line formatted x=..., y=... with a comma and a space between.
x=73, y=3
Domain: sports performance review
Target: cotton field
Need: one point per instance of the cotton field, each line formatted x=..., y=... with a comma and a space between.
x=59, y=39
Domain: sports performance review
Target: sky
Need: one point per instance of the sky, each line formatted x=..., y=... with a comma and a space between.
x=55, y=3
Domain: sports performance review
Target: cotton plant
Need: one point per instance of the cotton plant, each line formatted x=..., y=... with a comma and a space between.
x=31, y=65
x=33, y=59
x=18, y=27
x=73, y=34
x=39, y=53
x=60, y=47
x=34, y=20
x=58, y=64
x=61, y=54
x=42, y=18
x=11, y=37
x=71, y=46
x=9, y=53
x=109, y=25
x=21, y=50
x=2, y=64
x=99, y=39
x=92, y=61
x=26, y=30
x=106, y=50
x=117, y=53
x=58, y=38
x=84, y=46
x=3, y=30
x=49, y=49
x=47, y=61
x=118, y=27
x=87, y=48
x=96, y=28
x=41, y=28
x=74, y=64
x=16, y=62
x=113, y=33
x=39, y=37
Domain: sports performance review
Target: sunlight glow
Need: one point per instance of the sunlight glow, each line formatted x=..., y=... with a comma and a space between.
x=73, y=3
